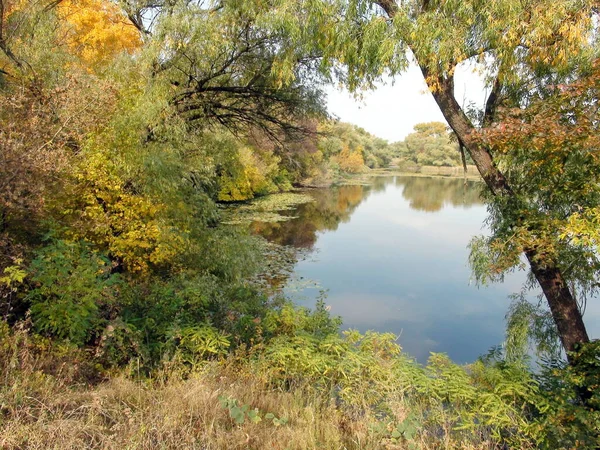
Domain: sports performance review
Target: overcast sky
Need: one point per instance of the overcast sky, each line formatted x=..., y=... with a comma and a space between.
x=391, y=111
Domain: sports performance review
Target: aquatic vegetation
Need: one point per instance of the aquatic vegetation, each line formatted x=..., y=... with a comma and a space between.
x=265, y=209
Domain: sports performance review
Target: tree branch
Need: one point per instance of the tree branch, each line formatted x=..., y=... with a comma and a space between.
x=491, y=105
x=389, y=6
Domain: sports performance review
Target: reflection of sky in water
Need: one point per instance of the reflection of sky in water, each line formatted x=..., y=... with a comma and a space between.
x=391, y=268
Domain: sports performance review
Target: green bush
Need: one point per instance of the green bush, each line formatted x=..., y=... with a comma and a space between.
x=73, y=287
x=569, y=404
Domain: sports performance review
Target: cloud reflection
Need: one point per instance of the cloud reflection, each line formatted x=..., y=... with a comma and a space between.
x=394, y=259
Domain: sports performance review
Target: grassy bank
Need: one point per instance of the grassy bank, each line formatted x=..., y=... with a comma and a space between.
x=406, y=170
x=227, y=404
x=306, y=388
x=180, y=413
x=430, y=171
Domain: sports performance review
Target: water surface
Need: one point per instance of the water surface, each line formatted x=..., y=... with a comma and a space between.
x=392, y=257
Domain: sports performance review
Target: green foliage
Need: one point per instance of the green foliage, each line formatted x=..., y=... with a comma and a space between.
x=239, y=413
x=492, y=400
x=255, y=176
x=530, y=326
x=13, y=276
x=402, y=433
x=431, y=144
x=546, y=152
x=350, y=147
x=73, y=286
x=405, y=431
x=226, y=65
x=192, y=316
x=570, y=412
x=120, y=344
x=363, y=372
x=200, y=342
x=263, y=167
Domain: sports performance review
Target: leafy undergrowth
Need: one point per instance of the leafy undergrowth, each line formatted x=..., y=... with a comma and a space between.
x=307, y=388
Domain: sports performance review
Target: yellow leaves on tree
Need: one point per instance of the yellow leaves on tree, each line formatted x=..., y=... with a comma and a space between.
x=351, y=160
x=97, y=30
x=10, y=6
x=252, y=177
x=556, y=33
x=111, y=214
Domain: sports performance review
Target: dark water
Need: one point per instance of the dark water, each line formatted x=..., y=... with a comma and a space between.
x=393, y=258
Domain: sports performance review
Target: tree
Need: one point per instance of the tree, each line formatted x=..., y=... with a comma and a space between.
x=350, y=147
x=102, y=180
x=92, y=32
x=521, y=42
x=225, y=69
x=431, y=144
x=549, y=150
x=96, y=31
x=522, y=47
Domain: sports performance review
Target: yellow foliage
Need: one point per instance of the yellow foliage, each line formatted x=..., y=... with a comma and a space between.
x=128, y=225
x=252, y=178
x=351, y=160
x=96, y=30
x=11, y=6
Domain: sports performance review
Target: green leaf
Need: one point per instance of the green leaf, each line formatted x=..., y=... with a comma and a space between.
x=237, y=414
x=254, y=415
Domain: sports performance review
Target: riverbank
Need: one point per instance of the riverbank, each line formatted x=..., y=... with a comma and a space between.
x=403, y=170
x=427, y=171
x=308, y=388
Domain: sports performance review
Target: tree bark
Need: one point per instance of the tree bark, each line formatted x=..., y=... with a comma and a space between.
x=464, y=130
x=563, y=306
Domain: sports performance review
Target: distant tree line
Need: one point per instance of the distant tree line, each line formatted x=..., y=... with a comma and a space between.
x=431, y=144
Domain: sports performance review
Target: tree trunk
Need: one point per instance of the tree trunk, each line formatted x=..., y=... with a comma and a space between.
x=563, y=306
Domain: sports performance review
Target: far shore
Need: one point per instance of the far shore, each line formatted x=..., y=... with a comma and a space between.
x=414, y=171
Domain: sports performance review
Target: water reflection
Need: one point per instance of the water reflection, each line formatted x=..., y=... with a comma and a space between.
x=431, y=194
x=337, y=204
x=393, y=258
x=330, y=208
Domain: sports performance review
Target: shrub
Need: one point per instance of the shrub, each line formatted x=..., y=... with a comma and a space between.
x=73, y=284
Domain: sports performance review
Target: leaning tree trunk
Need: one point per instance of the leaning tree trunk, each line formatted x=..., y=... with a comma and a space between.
x=563, y=306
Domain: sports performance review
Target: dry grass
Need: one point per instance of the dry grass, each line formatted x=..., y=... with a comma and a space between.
x=42, y=413
x=45, y=405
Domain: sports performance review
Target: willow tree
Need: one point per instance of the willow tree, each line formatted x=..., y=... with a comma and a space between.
x=523, y=48
x=219, y=65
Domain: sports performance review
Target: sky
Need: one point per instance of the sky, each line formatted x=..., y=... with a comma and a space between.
x=397, y=105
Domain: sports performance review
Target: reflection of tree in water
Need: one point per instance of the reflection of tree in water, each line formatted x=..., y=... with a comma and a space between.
x=335, y=205
x=431, y=194
x=331, y=206
x=378, y=184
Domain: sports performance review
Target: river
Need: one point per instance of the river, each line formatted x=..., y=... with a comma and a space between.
x=392, y=256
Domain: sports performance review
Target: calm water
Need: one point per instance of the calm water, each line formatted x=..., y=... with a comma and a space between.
x=393, y=258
